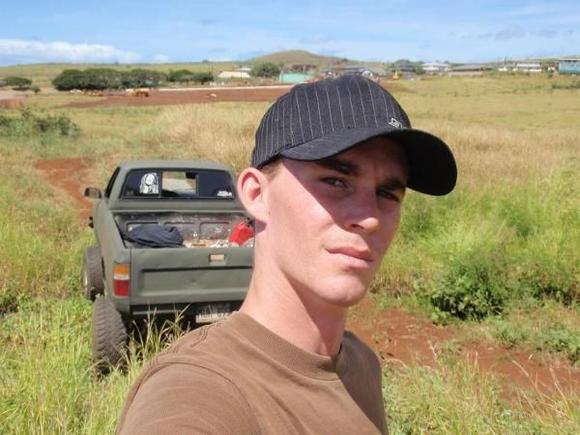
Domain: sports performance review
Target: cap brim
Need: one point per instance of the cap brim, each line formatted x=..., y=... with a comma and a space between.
x=432, y=168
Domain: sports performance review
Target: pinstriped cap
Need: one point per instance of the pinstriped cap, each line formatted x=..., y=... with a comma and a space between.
x=319, y=120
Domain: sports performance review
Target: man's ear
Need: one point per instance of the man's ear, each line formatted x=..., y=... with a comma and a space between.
x=252, y=185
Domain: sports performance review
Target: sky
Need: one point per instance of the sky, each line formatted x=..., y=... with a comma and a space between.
x=130, y=31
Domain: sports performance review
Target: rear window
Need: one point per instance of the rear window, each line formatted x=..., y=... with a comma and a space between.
x=178, y=184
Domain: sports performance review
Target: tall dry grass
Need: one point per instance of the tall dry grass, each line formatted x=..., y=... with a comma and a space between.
x=501, y=156
x=222, y=132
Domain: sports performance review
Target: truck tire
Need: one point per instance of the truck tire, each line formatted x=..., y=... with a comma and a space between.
x=92, y=274
x=109, y=337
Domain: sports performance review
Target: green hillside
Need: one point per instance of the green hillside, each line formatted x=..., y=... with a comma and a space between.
x=293, y=57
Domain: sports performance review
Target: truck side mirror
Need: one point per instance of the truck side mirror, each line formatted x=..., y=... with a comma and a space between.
x=93, y=192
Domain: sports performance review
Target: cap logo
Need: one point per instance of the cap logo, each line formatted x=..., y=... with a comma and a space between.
x=395, y=123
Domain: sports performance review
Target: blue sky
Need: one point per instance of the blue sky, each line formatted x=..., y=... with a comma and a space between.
x=181, y=31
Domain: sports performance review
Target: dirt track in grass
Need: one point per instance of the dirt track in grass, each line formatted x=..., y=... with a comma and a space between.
x=402, y=338
x=67, y=176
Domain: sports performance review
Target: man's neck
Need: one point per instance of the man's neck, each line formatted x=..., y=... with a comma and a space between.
x=308, y=324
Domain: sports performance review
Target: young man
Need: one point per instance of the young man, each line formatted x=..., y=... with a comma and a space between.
x=329, y=171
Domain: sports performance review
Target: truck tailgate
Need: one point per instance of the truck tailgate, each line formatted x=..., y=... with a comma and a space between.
x=189, y=275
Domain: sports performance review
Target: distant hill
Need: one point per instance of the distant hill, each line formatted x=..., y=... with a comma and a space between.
x=297, y=57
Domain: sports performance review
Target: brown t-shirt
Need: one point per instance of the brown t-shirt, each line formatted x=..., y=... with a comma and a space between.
x=236, y=376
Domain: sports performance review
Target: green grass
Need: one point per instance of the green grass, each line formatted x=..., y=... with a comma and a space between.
x=546, y=326
x=32, y=231
x=46, y=376
x=500, y=251
x=455, y=398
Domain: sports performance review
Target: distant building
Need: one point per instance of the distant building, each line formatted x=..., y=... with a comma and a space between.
x=472, y=69
x=295, y=78
x=435, y=68
x=528, y=67
x=301, y=68
x=357, y=70
x=570, y=65
x=506, y=67
x=326, y=74
x=381, y=72
x=239, y=73
x=404, y=66
x=234, y=75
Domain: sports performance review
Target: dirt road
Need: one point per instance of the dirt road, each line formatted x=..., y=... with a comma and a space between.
x=188, y=96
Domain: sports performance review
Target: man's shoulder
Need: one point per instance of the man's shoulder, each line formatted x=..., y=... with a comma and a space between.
x=169, y=393
x=209, y=346
x=194, y=374
x=358, y=351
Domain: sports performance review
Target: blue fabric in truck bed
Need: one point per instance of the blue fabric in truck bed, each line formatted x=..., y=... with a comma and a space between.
x=155, y=236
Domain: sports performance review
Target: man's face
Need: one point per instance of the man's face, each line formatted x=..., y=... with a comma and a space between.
x=331, y=221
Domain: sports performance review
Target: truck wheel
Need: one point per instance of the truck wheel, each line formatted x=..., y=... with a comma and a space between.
x=109, y=336
x=92, y=274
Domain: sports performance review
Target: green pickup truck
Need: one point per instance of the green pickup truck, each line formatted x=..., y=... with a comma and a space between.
x=164, y=247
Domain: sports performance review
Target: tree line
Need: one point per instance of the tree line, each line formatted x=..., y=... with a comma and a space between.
x=99, y=79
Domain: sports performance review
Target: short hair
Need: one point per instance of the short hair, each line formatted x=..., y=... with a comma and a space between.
x=271, y=168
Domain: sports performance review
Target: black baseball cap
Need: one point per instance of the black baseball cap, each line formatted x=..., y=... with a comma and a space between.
x=321, y=119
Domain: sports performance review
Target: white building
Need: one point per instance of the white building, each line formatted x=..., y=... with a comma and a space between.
x=233, y=75
x=436, y=67
x=528, y=67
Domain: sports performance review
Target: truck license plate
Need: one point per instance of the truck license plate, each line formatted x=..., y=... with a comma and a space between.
x=212, y=313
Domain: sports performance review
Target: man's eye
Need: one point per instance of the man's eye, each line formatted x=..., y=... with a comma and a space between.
x=336, y=182
x=387, y=194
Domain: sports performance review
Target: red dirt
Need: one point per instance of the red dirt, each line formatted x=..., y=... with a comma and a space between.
x=11, y=103
x=398, y=336
x=68, y=175
x=205, y=95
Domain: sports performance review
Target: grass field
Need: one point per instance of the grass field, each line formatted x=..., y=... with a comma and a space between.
x=497, y=258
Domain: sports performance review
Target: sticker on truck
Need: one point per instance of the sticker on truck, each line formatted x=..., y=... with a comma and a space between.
x=212, y=312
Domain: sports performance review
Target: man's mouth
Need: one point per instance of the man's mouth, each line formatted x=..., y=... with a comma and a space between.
x=353, y=257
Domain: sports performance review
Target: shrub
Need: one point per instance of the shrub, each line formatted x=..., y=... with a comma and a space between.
x=180, y=76
x=470, y=288
x=560, y=339
x=139, y=78
x=18, y=83
x=31, y=124
x=267, y=69
x=203, y=77
x=99, y=79
x=69, y=79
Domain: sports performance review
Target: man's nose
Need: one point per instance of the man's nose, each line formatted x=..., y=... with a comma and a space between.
x=363, y=214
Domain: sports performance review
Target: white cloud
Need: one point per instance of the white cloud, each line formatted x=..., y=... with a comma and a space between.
x=23, y=51
x=160, y=58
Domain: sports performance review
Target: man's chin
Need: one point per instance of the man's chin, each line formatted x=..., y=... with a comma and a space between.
x=346, y=295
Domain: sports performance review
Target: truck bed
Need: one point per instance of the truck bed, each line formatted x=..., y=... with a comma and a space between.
x=196, y=229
